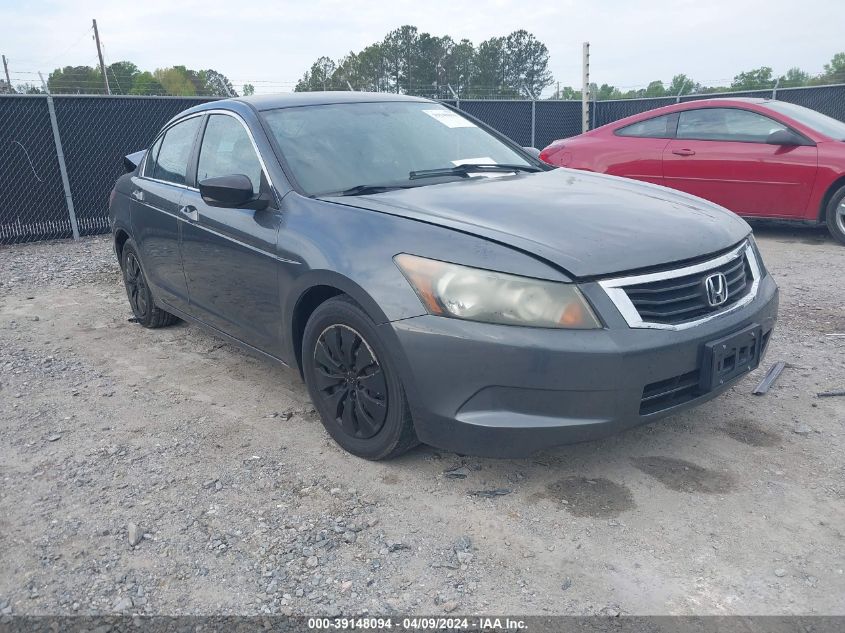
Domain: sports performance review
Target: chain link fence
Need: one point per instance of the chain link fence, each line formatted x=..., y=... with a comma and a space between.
x=88, y=136
x=97, y=132
x=32, y=199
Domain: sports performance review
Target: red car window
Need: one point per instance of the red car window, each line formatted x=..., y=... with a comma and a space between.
x=726, y=124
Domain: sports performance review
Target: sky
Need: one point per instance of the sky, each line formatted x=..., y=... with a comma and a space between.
x=272, y=43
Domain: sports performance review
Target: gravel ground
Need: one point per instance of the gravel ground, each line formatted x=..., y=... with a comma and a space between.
x=150, y=472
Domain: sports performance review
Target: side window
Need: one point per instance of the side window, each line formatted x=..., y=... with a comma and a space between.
x=172, y=161
x=658, y=127
x=150, y=158
x=227, y=150
x=726, y=124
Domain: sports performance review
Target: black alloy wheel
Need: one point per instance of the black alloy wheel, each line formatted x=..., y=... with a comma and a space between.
x=136, y=286
x=353, y=381
x=138, y=290
x=350, y=381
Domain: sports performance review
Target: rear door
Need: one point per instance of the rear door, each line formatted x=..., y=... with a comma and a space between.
x=156, y=198
x=229, y=254
x=721, y=154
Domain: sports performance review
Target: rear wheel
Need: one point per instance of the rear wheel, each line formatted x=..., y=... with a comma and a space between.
x=835, y=216
x=353, y=383
x=138, y=291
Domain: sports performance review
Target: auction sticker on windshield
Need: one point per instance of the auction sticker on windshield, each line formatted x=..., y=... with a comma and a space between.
x=449, y=118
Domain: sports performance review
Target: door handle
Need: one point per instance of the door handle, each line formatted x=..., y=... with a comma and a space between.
x=684, y=152
x=138, y=194
x=190, y=212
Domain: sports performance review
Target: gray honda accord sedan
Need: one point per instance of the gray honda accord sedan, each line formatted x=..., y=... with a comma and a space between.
x=431, y=280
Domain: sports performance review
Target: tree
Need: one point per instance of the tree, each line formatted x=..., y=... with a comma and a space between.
x=756, y=79
x=121, y=77
x=567, y=93
x=248, y=90
x=460, y=66
x=834, y=72
x=490, y=66
x=318, y=77
x=176, y=81
x=794, y=77
x=681, y=85
x=76, y=80
x=146, y=84
x=655, y=89
x=216, y=84
x=527, y=62
x=29, y=89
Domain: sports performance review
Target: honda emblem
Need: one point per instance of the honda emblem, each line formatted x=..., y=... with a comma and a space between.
x=717, y=289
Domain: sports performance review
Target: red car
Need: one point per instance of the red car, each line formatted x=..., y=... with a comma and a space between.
x=758, y=157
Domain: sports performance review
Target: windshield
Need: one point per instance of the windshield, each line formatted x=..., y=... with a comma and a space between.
x=816, y=120
x=334, y=148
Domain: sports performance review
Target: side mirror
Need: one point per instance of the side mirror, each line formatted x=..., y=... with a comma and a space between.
x=231, y=192
x=533, y=151
x=785, y=137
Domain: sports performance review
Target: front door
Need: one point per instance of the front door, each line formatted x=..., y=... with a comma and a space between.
x=229, y=254
x=721, y=154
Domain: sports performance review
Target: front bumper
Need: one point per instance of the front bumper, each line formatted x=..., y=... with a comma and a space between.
x=504, y=391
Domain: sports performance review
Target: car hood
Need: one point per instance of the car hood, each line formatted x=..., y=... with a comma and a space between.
x=587, y=224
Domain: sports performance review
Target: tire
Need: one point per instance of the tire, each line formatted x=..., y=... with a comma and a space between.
x=835, y=215
x=138, y=290
x=353, y=382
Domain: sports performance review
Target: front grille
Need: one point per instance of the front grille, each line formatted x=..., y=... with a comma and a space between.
x=670, y=393
x=679, y=299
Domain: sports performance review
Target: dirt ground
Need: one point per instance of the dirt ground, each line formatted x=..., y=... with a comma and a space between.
x=167, y=472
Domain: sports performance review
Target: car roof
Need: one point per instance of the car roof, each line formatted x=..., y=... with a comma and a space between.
x=296, y=99
x=271, y=102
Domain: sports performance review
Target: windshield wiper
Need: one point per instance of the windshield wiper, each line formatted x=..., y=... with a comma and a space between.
x=467, y=168
x=362, y=190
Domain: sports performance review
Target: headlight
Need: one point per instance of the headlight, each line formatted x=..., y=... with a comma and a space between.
x=473, y=294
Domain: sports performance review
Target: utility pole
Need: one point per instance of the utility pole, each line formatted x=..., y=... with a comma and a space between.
x=6, y=69
x=585, y=88
x=100, y=55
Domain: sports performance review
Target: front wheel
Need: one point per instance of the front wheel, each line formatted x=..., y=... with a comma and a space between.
x=835, y=216
x=353, y=383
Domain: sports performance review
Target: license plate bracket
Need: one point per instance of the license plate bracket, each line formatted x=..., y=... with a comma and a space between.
x=731, y=356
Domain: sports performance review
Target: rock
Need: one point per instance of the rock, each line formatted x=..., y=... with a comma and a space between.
x=463, y=544
x=780, y=573
x=464, y=557
x=566, y=584
x=395, y=547
x=450, y=606
x=54, y=438
x=802, y=429
x=312, y=561
x=345, y=586
x=134, y=533
x=490, y=494
x=124, y=604
x=460, y=472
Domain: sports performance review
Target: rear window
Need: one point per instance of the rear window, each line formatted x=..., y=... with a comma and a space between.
x=658, y=127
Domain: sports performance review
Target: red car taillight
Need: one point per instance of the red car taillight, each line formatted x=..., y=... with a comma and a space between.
x=547, y=154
